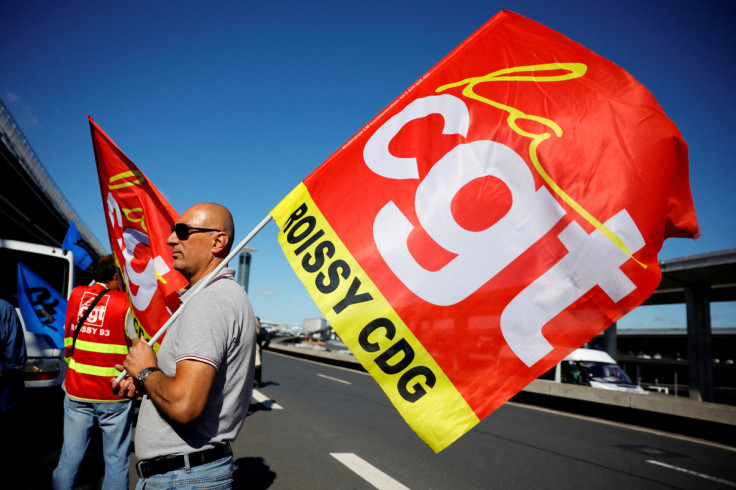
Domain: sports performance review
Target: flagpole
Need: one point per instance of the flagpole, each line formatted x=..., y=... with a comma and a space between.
x=204, y=281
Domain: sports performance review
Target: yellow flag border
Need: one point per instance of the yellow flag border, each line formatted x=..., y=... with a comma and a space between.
x=367, y=323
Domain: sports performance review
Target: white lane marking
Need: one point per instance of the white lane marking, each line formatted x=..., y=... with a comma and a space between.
x=264, y=400
x=694, y=473
x=334, y=379
x=368, y=472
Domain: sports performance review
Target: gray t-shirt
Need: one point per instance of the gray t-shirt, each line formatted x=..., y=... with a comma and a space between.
x=216, y=326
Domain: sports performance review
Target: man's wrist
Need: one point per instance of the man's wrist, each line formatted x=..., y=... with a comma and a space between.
x=144, y=374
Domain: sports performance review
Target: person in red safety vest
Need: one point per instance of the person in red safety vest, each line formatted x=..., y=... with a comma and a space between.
x=95, y=339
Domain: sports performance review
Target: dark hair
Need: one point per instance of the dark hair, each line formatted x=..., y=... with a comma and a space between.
x=105, y=269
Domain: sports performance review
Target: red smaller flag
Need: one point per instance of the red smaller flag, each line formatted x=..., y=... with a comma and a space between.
x=138, y=221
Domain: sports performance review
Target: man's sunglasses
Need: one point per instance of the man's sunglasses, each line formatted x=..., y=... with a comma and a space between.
x=183, y=230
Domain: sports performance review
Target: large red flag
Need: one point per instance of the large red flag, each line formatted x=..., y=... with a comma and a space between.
x=138, y=220
x=500, y=213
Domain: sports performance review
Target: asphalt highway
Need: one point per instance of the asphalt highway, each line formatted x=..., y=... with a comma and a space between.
x=315, y=426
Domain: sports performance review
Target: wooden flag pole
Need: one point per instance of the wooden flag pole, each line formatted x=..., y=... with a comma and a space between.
x=202, y=282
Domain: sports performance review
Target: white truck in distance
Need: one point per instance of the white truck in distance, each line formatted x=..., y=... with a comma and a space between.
x=595, y=368
x=45, y=366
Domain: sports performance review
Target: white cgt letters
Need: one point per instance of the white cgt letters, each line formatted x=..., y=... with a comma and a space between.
x=592, y=259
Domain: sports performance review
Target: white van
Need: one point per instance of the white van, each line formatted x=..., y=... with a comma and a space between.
x=45, y=366
x=593, y=368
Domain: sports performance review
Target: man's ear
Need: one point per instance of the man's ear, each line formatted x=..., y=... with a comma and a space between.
x=220, y=242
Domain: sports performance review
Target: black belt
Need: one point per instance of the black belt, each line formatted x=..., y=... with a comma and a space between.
x=164, y=464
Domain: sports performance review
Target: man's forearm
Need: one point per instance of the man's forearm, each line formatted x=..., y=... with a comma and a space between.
x=183, y=397
x=162, y=392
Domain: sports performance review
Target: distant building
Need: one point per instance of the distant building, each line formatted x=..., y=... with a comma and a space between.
x=310, y=325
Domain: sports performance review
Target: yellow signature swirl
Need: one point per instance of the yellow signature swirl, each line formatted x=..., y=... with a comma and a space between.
x=550, y=72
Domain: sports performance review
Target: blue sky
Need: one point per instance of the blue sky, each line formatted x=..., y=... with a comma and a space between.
x=237, y=102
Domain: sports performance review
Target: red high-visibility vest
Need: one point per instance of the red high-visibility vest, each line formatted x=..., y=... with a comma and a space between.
x=101, y=343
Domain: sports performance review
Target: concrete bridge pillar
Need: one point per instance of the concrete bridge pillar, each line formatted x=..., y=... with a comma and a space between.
x=699, y=354
x=610, y=342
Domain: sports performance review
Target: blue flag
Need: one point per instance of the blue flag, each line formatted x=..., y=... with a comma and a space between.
x=42, y=307
x=73, y=241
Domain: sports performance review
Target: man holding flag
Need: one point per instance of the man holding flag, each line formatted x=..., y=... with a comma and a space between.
x=516, y=196
x=196, y=391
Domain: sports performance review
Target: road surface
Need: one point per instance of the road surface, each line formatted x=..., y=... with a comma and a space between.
x=316, y=426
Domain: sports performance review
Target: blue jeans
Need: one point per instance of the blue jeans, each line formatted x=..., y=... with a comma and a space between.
x=116, y=421
x=217, y=474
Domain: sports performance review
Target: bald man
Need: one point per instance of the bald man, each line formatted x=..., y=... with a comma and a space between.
x=195, y=393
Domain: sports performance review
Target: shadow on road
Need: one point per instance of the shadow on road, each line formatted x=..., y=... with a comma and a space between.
x=252, y=474
x=32, y=436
